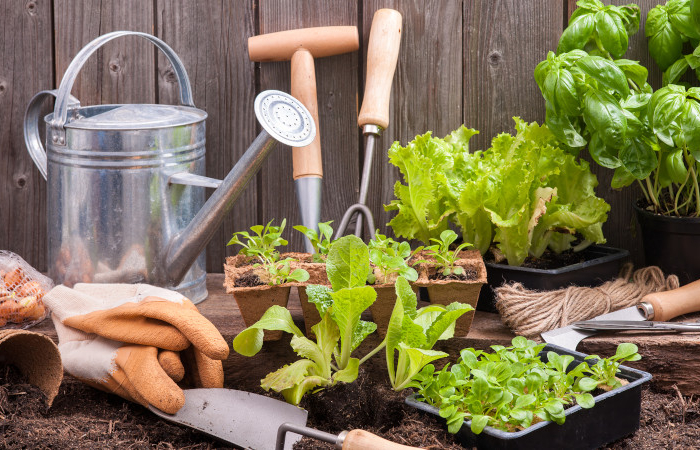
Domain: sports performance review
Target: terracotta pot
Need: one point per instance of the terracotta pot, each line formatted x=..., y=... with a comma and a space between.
x=254, y=301
x=444, y=292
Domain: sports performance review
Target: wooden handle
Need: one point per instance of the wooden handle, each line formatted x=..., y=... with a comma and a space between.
x=364, y=440
x=670, y=304
x=382, y=54
x=319, y=41
x=306, y=160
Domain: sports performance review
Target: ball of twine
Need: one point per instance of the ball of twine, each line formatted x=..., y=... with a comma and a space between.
x=529, y=313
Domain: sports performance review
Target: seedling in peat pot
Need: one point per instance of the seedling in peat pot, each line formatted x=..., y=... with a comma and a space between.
x=321, y=241
x=391, y=259
x=444, y=256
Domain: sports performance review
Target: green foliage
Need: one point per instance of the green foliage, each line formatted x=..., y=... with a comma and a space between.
x=594, y=99
x=413, y=333
x=672, y=29
x=510, y=388
x=604, y=370
x=280, y=272
x=391, y=258
x=524, y=194
x=320, y=241
x=445, y=257
x=262, y=243
x=329, y=359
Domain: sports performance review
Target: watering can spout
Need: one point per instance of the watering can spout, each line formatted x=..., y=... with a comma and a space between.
x=283, y=119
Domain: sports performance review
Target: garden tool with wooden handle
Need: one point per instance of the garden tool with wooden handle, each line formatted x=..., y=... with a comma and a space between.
x=657, y=306
x=301, y=47
x=124, y=339
x=382, y=55
x=255, y=421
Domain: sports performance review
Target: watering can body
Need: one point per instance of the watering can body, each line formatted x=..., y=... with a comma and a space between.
x=126, y=200
x=113, y=208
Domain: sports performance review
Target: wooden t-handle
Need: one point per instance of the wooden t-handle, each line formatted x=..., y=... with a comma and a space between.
x=670, y=304
x=364, y=440
x=382, y=54
x=306, y=160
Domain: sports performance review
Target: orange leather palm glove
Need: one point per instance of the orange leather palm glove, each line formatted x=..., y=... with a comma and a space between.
x=136, y=341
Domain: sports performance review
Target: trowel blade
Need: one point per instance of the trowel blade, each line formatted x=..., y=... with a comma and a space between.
x=569, y=337
x=241, y=418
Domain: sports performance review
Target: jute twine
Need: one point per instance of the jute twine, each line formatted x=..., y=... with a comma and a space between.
x=530, y=313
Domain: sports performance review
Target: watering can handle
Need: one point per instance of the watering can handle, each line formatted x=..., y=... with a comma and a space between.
x=62, y=98
x=32, y=139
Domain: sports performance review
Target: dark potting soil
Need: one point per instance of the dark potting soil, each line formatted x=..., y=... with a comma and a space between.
x=548, y=261
x=84, y=418
x=468, y=275
x=248, y=279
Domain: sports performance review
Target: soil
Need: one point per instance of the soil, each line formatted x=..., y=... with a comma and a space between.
x=248, y=279
x=85, y=418
x=468, y=275
x=548, y=261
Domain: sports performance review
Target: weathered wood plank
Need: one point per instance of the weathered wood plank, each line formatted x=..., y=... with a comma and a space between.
x=503, y=42
x=123, y=70
x=336, y=79
x=210, y=39
x=427, y=89
x=25, y=68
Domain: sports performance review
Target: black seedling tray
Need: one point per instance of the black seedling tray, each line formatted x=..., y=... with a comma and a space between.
x=615, y=415
x=601, y=264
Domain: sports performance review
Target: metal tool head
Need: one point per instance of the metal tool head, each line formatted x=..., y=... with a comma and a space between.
x=285, y=118
x=569, y=336
x=241, y=418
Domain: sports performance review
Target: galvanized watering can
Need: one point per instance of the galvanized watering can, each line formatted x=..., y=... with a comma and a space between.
x=126, y=182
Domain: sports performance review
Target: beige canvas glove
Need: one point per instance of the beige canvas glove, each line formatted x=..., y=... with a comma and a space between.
x=125, y=338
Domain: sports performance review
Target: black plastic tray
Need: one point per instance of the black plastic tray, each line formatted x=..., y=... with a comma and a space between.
x=602, y=264
x=615, y=415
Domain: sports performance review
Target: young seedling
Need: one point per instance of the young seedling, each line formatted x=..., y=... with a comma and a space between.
x=320, y=241
x=280, y=272
x=263, y=243
x=329, y=359
x=604, y=371
x=512, y=388
x=391, y=259
x=445, y=257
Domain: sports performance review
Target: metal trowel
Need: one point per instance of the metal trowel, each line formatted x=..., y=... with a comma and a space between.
x=658, y=306
x=253, y=421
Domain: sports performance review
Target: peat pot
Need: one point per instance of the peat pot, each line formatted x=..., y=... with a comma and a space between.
x=601, y=264
x=672, y=243
x=615, y=415
x=125, y=183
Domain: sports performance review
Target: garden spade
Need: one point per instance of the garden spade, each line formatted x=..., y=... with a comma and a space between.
x=257, y=422
x=658, y=306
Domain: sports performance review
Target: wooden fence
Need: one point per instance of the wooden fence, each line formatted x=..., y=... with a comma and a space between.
x=468, y=61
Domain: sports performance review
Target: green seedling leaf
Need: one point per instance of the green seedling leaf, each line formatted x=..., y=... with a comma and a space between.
x=347, y=264
x=249, y=341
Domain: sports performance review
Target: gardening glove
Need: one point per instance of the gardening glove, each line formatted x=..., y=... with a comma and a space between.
x=125, y=338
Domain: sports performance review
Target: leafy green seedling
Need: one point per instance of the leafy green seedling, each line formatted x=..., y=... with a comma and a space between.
x=391, y=258
x=262, y=243
x=328, y=360
x=445, y=257
x=512, y=388
x=280, y=272
x=604, y=371
x=320, y=241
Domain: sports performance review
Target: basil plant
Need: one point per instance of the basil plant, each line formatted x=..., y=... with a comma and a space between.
x=595, y=100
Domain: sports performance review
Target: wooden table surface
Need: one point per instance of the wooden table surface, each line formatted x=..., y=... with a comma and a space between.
x=670, y=358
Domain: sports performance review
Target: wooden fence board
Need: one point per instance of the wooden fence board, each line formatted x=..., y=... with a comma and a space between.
x=336, y=79
x=25, y=69
x=122, y=71
x=210, y=38
x=427, y=88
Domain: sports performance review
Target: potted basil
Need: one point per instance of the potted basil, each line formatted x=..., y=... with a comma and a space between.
x=596, y=100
